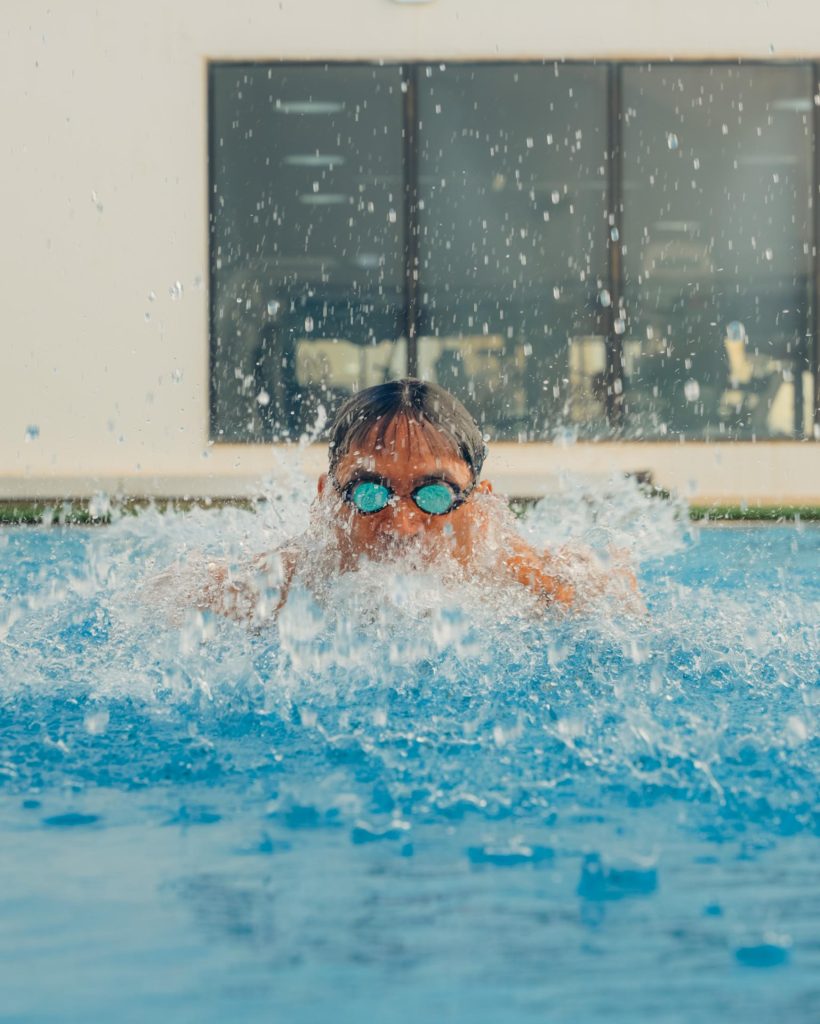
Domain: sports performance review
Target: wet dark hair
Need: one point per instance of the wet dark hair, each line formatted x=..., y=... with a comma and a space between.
x=420, y=402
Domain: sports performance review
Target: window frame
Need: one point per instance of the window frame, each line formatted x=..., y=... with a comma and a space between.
x=615, y=391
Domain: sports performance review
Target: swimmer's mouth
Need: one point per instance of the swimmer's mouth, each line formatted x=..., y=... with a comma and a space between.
x=402, y=549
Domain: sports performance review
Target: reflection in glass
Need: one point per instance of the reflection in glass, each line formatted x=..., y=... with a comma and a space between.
x=512, y=193
x=717, y=250
x=508, y=174
x=306, y=242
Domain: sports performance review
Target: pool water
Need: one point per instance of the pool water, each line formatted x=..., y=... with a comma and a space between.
x=419, y=806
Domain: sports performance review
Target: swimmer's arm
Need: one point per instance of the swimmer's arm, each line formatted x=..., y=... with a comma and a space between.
x=616, y=580
x=538, y=572
x=225, y=595
x=242, y=598
x=571, y=578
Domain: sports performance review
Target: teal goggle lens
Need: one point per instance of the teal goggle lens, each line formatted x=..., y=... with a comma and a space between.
x=434, y=499
x=370, y=496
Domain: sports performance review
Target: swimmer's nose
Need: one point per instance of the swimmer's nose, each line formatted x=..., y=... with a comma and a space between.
x=406, y=519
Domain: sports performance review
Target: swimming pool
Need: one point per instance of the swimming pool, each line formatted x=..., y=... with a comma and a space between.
x=422, y=808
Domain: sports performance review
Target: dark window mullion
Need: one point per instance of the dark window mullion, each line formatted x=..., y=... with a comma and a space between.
x=410, y=135
x=614, y=227
x=815, y=289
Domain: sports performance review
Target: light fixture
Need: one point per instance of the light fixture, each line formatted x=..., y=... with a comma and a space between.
x=322, y=199
x=768, y=159
x=797, y=104
x=314, y=160
x=683, y=226
x=308, y=107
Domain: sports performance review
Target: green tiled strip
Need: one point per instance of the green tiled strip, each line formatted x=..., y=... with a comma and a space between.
x=755, y=513
x=75, y=513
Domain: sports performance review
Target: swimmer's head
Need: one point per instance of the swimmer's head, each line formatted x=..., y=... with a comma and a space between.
x=365, y=419
x=388, y=445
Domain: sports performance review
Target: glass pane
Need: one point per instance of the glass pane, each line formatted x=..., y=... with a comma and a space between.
x=717, y=250
x=513, y=242
x=307, y=242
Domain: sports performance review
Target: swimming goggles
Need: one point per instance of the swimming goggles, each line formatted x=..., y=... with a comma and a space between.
x=434, y=497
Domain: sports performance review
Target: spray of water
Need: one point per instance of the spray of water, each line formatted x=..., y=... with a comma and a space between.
x=410, y=691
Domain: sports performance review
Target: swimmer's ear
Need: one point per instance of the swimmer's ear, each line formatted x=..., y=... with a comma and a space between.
x=321, y=484
x=484, y=487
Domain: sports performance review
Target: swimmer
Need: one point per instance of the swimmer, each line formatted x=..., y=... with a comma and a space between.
x=403, y=482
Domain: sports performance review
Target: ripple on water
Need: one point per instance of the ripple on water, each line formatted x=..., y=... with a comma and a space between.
x=410, y=753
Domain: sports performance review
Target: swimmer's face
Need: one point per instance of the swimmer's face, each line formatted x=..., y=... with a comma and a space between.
x=410, y=455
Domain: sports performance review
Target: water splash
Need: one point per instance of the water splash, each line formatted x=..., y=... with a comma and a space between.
x=384, y=665
x=426, y=751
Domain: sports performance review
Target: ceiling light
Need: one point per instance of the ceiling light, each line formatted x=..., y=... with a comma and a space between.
x=322, y=199
x=314, y=160
x=767, y=159
x=309, y=107
x=798, y=104
x=684, y=226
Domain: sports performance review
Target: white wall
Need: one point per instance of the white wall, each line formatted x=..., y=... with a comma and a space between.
x=103, y=129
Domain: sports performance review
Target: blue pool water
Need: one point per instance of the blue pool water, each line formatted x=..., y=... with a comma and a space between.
x=419, y=807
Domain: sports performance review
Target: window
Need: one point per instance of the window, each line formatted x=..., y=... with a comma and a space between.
x=609, y=250
x=307, y=240
x=718, y=234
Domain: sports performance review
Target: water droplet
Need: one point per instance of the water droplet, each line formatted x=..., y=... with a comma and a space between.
x=176, y=290
x=556, y=292
x=796, y=729
x=273, y=307
x=556, y=197
x=696, y=164
x=176, y=376
x=530, y=143
x=769, y=254
x=392, y=216
x=99, y=505
x=672, y=140
x=691, y=390
x=614, y=234
x=604, y=298
x=724, y=129
x=32, y=432
x=263, y=398
x=151, y=296
x=309, y=324
x=96, y=201
x=619, y=325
